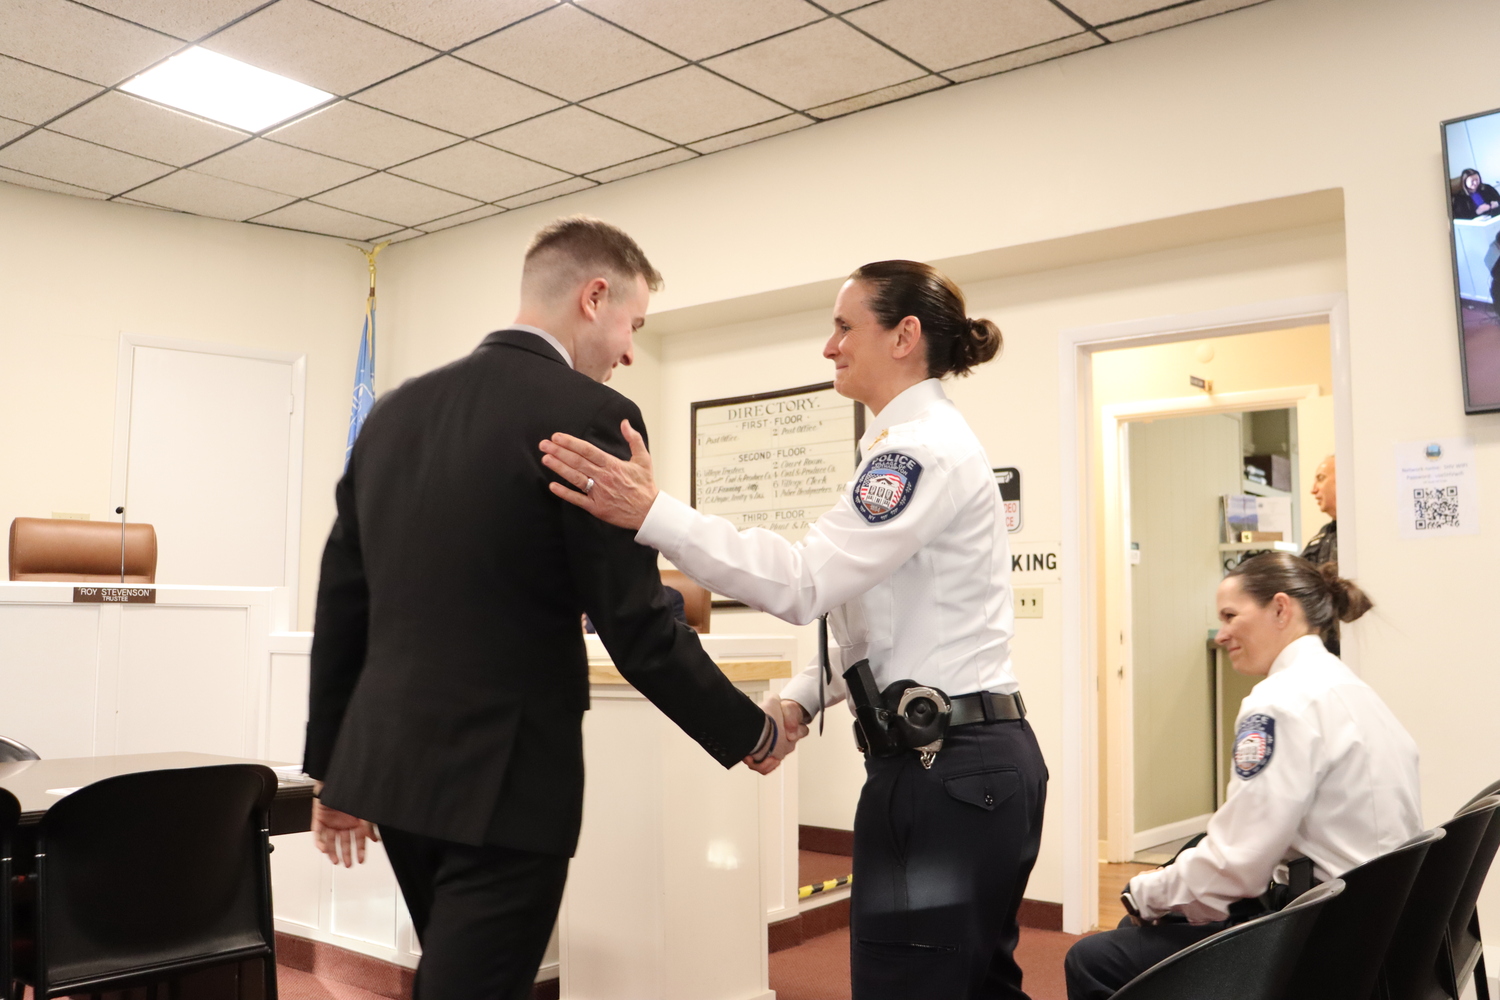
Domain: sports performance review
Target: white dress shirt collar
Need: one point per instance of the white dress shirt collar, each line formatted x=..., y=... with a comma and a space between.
x=909, y=404
x=556, y=344
x=1307, y=645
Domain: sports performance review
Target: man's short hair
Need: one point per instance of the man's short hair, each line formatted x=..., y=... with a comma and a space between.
x=577, y=248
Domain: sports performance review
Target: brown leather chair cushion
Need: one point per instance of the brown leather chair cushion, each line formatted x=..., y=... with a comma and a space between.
x=697, y=602
x=42, y=548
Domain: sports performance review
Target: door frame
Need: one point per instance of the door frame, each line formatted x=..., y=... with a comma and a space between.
x=1118, y=586
x=284, y=607
x=1081, y=589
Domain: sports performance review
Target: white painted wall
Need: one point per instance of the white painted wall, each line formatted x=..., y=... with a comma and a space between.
x=75, y=274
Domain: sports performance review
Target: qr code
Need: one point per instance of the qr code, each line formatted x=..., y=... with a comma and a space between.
x=1436, y=507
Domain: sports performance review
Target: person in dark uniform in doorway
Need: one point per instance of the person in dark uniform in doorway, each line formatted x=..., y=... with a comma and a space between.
x=1324, y=546
x=1325, y=778
x=449, y=677
x=912, y=569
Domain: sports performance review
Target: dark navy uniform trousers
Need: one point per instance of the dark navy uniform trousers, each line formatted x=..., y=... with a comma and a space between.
x=941, y=859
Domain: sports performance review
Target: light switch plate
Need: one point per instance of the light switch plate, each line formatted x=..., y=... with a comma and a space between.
x=1028, y=602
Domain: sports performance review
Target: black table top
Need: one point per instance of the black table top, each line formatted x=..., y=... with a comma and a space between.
x=37, y=784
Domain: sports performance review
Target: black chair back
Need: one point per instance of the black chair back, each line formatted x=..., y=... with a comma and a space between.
x=10, y=818
x=1493, y=788
x=1465, y=952
x=1343, y=955
x=143, y=876
x=14, y=750
x=1418, y=946
x=1250, y=961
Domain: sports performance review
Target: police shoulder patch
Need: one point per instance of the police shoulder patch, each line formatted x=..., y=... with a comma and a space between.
x=1254, y=743
x=886, y=486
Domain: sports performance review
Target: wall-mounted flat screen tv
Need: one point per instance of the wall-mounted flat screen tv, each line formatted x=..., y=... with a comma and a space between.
x=1471, y=156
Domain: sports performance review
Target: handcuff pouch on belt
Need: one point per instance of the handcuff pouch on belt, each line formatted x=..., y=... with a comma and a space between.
x=905, y=716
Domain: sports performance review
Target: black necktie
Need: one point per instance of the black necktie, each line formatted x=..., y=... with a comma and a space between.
x=825, y=675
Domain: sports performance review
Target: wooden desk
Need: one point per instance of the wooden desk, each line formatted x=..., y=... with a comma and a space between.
x=35, y=783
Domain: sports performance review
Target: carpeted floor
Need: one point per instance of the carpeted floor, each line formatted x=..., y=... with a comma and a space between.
x=814, y=867
x=819, y=969
x=294, y=985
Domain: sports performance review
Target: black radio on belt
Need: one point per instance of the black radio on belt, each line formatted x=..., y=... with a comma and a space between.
x=905, y=716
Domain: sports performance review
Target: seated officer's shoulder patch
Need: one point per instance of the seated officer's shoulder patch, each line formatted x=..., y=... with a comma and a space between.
x=1254, y=743
x=886, y=486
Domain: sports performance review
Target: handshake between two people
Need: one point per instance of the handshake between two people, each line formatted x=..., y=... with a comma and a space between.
x=788, y=726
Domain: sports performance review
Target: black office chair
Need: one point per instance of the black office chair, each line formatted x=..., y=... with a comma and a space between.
x=144, y=877
x=10, y=817
x=14, y=750
x=1343, y=955
x=1416, y=950
x=1463, y=955
x=1493, y=788
x=1250, y=961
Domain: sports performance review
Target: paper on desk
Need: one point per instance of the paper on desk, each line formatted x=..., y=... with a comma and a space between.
x=59, y=792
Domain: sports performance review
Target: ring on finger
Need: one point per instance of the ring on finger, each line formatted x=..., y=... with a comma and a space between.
x=588, y=486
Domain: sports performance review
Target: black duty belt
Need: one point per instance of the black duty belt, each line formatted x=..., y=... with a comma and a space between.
x=986, y=706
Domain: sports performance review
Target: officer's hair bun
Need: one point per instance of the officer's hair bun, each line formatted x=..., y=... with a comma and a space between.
x=1349, y=602
x=982, y=343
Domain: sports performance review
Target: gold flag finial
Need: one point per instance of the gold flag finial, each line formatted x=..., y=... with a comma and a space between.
x=370, y=256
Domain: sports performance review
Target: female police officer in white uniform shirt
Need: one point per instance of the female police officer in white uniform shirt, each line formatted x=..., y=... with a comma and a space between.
x=1322, y=772
x=913, y=569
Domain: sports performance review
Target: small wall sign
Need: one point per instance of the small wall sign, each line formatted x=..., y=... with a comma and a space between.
x=1008, y=478
x=107, y=594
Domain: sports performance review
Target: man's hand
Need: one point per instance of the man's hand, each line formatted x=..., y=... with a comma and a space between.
x=622, y=492
x=340, y=836
x=787, y=717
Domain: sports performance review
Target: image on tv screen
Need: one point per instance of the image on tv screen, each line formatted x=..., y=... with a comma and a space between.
x=1471, y=152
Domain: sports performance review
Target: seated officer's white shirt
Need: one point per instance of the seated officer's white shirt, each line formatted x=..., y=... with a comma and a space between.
x=1322, y=770
x=912, y=561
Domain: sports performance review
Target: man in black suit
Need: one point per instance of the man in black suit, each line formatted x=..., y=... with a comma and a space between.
x=449, y=678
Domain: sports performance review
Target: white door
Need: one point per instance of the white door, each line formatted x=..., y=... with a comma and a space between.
x=209, y=464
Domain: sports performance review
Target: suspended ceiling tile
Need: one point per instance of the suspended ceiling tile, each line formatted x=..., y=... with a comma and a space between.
x=186, y=191
x=123, y=122
x=686, y=105
x=46, y=184
x=76, y=40
x=762, y=131
x=458, y=96
x=311, y=217
x=1105, y=11
x=74, y=161
x=575, y=140
x=187, y=19
x=32, y=94
x=682, y=27
x=396, y=199
x=270, y=165
x=569, y=53
x=840, y=6
x=402, y=236
x=1026, y=57
x=479, y=171
x=441, y=25
x=645, y=163
x=1173, y=17
x=10, y=129
x=359, y=134
x=550, y=191
x=472, y=215
x=884, y=95
x=940, y=34
x=320, y=47
x=816, y=65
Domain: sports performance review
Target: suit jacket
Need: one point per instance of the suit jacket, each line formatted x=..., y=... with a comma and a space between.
x=449, y=677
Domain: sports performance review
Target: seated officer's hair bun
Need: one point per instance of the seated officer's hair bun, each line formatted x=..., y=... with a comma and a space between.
x=1349, y=602
x=1325, y=596
x=902, y=288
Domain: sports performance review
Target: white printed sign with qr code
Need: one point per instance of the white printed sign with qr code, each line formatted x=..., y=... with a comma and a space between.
x=1437, y=491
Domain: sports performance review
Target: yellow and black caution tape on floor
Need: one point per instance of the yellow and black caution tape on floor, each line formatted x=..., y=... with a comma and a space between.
x=833, y=883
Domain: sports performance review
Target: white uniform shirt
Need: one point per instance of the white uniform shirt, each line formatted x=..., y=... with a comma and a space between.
x=1322, y=770
x=912, y=562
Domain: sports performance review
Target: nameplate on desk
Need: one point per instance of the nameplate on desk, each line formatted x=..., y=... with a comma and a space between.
x=114, y=595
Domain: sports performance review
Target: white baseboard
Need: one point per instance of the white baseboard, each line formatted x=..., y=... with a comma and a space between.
x=1171, y=831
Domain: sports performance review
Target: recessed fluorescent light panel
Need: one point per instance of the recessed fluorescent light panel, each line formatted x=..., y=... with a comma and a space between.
x=213, y=86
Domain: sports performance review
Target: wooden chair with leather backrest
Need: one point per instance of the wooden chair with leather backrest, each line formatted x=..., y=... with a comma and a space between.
x=80, y=551
x=697, y=603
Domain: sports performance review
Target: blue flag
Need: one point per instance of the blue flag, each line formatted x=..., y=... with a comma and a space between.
x=364, y=379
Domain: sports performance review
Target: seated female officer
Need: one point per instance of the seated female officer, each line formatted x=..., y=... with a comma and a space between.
x=1322, y=771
